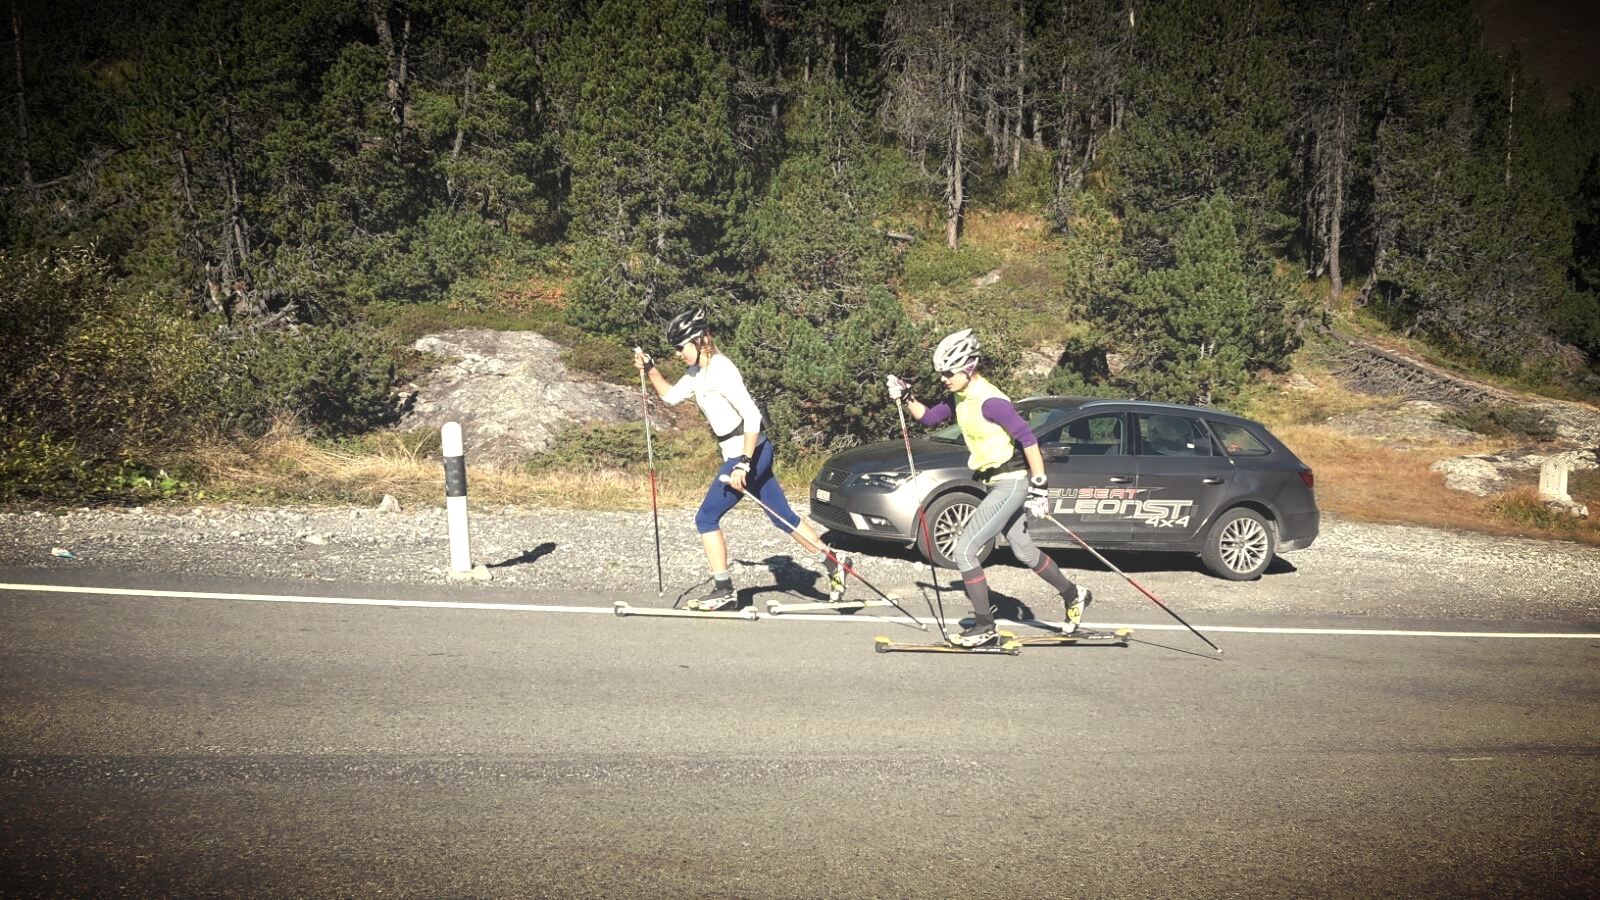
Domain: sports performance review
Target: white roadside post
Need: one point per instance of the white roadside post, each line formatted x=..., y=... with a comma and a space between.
x=1553, y=489
x=455, y=494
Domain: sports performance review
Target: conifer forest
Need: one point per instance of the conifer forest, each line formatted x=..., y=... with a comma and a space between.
x=215, y=210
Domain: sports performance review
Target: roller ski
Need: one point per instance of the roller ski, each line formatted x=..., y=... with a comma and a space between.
x=837, y=571
x=1086, y=636
x=846, y=607
x=976, y=639
x=721, y=603
x=1072, y=631
x=622, y=608
x=778, y=607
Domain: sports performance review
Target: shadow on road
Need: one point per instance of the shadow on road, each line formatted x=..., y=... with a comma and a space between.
x=527, y=556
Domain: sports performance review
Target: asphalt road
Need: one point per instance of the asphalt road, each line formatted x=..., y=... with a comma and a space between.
x=210, y=745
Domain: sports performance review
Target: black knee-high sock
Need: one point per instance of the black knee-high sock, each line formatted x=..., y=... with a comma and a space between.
x=977, y=587
x=1051, y=573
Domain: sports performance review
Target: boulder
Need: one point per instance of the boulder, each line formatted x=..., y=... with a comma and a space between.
x=1490, y=473
x=511, y=393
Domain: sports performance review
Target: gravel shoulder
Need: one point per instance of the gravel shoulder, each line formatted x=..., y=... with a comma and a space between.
x=1355, y=570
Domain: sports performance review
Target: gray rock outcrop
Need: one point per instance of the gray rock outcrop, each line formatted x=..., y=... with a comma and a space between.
x=511, y=393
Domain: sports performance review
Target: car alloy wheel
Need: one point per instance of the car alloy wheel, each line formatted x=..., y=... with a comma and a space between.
x=1240, y=545
x=946, y=517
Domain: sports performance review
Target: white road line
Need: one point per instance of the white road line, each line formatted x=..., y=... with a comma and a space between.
x=828, y=617
x=1368, y=632
x=281, y=598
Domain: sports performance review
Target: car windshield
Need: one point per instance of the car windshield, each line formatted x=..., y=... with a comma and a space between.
x=1039, y=416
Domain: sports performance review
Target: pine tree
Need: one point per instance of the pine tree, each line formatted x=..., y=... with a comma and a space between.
x=942, y=58
x=1188, y=333
x=822, y=244
x=1209, y=111
x=1337, y=84
x=825, y=384
x=656, y=183
x=1080, y=66
x=1471, y=240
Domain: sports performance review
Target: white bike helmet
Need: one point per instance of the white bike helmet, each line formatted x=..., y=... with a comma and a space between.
x=686, y=327
x=957, y=352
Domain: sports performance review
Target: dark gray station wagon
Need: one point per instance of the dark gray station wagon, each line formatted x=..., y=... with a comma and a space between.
x=1124, y=475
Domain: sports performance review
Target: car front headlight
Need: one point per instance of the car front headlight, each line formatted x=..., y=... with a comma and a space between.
x=883, y=481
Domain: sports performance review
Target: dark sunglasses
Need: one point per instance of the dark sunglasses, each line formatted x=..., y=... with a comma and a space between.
x=950, y=374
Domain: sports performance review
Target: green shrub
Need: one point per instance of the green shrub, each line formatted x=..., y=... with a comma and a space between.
x=930, y=265
x=34, y=465
x=597, y=448
x=606, y=358
x=1501, y=420
x=94, y=381
x=336, y=380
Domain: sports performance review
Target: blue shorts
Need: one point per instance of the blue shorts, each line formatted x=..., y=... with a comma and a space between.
x=760, y=482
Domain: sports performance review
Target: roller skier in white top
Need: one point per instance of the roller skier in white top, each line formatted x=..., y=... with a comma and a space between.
x=717, y=388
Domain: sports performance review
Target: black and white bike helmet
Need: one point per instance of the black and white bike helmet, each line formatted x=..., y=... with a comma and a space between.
x=957, y=352
x=687, y=326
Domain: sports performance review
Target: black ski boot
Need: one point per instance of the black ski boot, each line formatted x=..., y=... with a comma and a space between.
x=722, y=596
x=976, y=635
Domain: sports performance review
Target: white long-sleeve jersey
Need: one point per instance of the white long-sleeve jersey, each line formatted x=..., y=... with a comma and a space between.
x=718, y=389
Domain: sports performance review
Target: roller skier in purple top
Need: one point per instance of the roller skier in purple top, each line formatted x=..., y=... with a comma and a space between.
x=1004, y=455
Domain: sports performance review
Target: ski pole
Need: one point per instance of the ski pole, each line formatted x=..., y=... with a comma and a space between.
x=1132, y=582
x=922, y=519
x=650, y=454
x=794, y=528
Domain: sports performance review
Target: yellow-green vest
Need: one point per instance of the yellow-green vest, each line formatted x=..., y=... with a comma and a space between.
x=988, y=444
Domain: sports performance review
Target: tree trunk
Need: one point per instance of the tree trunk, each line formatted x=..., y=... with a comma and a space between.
x=954, y=193
x=1335, y=226
x=1511, y=112
x=22, y=101
x=397, y=69
x=461, y=137
x=1022, y=102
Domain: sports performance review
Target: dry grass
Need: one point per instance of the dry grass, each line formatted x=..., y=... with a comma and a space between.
x=1363, y=480
x=1356, y=478
x=285, y=467
x=1011, y=234
x=1366, y=480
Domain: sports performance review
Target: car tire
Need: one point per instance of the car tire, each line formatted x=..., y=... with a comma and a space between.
x=1240, y=545
x=946, y=517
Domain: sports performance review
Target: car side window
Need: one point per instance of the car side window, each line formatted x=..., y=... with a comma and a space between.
x=1089, y=436
x=1042, y=418
x=1168, y=435
x=1238, y=440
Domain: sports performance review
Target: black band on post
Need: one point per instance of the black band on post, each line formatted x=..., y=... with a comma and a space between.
x=455, y=476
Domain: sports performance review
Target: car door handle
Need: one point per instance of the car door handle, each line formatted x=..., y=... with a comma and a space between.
x=1119, y=479
x=1212, y=480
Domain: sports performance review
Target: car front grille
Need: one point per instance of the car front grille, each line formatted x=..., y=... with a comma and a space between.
x=832, y=478
x=830, y=515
